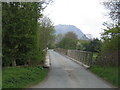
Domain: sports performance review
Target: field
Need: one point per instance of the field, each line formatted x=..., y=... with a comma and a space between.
x=22, y=77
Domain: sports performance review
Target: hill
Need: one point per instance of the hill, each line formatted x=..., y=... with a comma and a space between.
x=63, y=29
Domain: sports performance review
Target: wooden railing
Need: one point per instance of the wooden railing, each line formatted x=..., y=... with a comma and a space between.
x=81, y=56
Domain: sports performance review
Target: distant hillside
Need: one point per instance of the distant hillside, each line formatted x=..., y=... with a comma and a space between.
x=63, y=29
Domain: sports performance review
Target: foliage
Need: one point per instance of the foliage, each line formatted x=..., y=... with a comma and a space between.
x=111, y=35
x=92, y=45
x=111, y=38
x=81, y=44
x=113, y=6
x=69, y=41
x=71, y=35
x=110, y=45
x=22, y=38
x=21, y=77
x=108, y=55
x=19, y=31
x=95, y=55
x=58, y=37
x=46, y=30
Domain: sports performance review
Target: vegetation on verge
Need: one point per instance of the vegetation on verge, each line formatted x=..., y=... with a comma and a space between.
x=108, y=73
x=22, y=77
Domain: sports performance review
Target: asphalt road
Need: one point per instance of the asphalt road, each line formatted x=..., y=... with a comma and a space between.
x=65, y=73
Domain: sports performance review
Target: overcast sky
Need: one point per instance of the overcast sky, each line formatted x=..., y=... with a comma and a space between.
x=87, y=15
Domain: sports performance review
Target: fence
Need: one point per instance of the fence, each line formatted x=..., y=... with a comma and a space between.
x=82, y=56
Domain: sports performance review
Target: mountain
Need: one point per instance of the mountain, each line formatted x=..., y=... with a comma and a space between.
x=63, y=29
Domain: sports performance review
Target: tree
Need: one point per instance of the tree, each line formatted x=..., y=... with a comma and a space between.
x=111, y=35
x=69, y=41
x=20, y=34
x=46, y=32
x=58, y=38
x=19, y=31
x=82, y=44
x=111, y=39
x=94, y=45
x=71, y=35
x=114, y=9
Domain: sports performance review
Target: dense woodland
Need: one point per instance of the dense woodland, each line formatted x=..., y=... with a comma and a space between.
x=25, y=33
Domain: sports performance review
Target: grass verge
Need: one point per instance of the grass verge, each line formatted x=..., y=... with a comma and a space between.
x=22, y=77
x=108, y=73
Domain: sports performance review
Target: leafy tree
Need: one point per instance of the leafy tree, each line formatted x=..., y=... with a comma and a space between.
x=69, y=41
x=114, y=9
x=111, y=35
x=94, y=46
x=71, y=35
x=81, y=44
x=111, y=39
x=46, y=32
x=58, y=38
x=20, y=34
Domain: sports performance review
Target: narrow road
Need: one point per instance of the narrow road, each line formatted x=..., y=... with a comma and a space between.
x=65, y=73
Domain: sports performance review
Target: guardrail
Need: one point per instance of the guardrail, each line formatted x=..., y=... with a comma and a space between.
x=84, y=57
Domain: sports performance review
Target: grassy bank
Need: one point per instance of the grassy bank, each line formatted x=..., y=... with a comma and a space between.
x=21, y=77
x=109, y=74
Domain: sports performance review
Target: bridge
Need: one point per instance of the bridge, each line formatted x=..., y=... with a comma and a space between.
x=65, y=73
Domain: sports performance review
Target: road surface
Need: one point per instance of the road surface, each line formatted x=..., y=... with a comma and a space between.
x=65, y=73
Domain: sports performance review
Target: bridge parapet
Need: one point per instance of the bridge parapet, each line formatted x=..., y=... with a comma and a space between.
x=84, y=57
